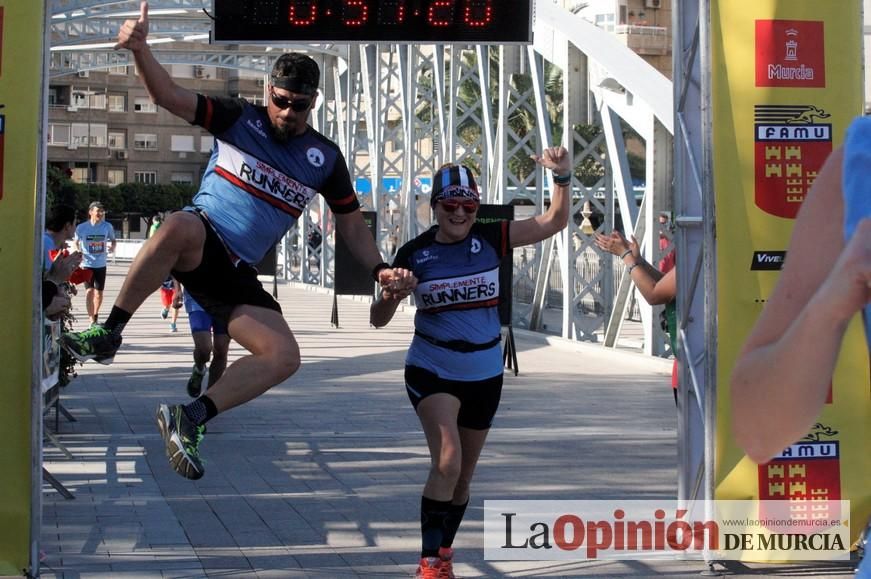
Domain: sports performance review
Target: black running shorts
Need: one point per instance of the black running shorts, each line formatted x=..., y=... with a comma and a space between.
x=478, y=400
x=98, y=279
x=219, y=286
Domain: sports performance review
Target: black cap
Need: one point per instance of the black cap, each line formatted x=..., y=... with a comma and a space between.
x=296, y=72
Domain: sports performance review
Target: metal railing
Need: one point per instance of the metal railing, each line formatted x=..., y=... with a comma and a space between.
x=588, y=265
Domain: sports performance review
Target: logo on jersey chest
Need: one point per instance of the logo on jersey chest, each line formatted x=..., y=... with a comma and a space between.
x=461, y=291
x=315, y=156
x=425, y=256
x=257, y=127
x=262, y=180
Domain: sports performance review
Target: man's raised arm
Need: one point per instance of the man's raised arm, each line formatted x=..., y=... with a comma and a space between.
x=163, y=90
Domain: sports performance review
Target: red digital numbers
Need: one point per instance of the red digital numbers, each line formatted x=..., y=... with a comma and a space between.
x=355, y=13
x=478, y=13
x=359, y=21
x=441, y=13
x=302, y=12
x=391, y=12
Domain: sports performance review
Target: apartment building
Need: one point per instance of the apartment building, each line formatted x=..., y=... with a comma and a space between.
x=643, y=25
x=103, y=127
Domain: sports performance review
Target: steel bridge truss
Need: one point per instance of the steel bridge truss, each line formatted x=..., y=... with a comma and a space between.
x=400, y=111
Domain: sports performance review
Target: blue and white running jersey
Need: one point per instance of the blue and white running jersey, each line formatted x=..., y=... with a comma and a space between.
x=457, y=298
x=94, y=241
x=857, y=196
x=255, y=187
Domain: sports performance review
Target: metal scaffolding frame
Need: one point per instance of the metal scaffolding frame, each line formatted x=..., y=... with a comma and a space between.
x=695, y=247
x=403, y=110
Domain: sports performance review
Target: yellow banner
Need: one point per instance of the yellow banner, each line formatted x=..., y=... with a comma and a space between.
x=787, y=83
x=21, y=65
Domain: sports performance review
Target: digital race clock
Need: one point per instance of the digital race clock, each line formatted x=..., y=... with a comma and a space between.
x=422, y=21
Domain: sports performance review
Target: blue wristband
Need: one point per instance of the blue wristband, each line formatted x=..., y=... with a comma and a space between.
x=562, y=179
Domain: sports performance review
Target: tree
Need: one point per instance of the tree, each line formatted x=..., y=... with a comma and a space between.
x=59, y=187
x=149, y=200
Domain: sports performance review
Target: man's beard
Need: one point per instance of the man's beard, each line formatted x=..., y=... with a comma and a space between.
x=280, y=134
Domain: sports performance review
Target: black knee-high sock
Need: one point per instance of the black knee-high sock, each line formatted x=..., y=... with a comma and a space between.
x=201, y=410
x=452, y=523
x=432, y=523
x=117, y=319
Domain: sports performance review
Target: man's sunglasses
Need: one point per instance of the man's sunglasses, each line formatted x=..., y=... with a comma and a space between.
x=297, y=105
x=451, y=205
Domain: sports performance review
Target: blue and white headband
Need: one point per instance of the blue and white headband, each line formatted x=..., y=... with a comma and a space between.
x=452, y=182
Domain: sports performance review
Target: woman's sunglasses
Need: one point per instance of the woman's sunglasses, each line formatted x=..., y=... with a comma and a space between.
x=450, y=205
x=297, y=105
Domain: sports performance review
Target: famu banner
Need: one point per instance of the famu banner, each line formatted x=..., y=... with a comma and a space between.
x=787, y=83
x=21, y=106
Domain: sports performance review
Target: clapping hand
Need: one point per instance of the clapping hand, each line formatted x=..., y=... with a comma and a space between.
x=615, y=243
x=63, y=266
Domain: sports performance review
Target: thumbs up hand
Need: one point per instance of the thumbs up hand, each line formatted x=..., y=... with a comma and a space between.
x=133, y=33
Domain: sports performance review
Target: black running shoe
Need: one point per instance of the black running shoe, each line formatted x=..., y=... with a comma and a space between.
x=182, y=440
x=195, y=382
x=96, y=343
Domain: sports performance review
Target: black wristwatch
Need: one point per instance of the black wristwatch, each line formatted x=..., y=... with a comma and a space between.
x=377, y=269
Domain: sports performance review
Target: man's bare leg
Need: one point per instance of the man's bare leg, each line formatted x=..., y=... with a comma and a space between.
x=202, y=354
x=221, y=347
x=97, y=302
x=202, y=348
x=178, y=244
x=89, y=304
x=274, y=357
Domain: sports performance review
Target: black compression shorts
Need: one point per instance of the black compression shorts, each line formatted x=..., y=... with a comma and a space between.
x=218, y=285
x=479, y=400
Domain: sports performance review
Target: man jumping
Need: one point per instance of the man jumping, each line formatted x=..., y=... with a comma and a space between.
x=266, y=166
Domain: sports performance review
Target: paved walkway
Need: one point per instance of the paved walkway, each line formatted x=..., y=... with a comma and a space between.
x=321, y=476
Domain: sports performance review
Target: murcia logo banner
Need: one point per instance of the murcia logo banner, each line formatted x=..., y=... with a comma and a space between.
x=786, y=82
x=790, y=53
x=792, y=143
x=808, y=474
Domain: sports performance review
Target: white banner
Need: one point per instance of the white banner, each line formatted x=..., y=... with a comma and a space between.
x=616, y=529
